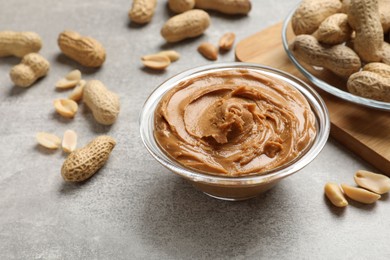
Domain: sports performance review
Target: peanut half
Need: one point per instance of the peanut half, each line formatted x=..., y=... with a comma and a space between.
x=66, y=107
x=208, y=50
x=360, y=195
x=171, y=54
x=48, y=140
x=77, y=93
x=227, y=40
x=32, y=67
x=377, y=183
x=19, y=43
x=85, y=162
x=69, y=141
x=156, y=61
x=104, y=103
x=85, y=50
x=335, y=195
x=70, y=80
x=185, y=25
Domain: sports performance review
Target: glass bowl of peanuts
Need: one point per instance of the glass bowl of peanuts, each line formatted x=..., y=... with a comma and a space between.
x=234, y=130
x=347, y=76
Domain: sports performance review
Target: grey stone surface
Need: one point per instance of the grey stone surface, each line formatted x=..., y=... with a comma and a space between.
x=134, y=208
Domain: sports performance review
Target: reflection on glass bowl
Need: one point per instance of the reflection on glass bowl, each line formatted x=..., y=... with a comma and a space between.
x=234, y=188
x=323, y=78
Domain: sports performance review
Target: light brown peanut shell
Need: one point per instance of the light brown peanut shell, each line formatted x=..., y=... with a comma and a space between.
x=19, y=43
x=364, y=18
x=339, y=59
x=103, y=103
x=360, y=195
x=142, y=11
x=85, y=50
x=369, y=85
x=384, y=7
x=231, y=7
x=180, y=6
x=186, y=25
x=32, y=67
x=85, y=162
x=377, y=183
x=386, y=53
x=379, y=68
x=334, y=30
x=310, y=14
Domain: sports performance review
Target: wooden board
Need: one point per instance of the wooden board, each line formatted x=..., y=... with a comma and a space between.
x=363, y=130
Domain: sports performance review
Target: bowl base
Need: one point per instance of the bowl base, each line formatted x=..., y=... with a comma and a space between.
x=233, y=193
x=229, y=199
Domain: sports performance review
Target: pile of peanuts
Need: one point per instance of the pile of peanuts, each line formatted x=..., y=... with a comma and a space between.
x=82, y=163
x=187, y=23
x=347, y=37
x=104, y=104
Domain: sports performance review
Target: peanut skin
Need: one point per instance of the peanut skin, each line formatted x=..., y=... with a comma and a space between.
x=310, y=14
x=334, y=30
x=364, y=18
x=32, y=67
x=339, y=59
x=231, y=7
x=142, y=11
x=85, y=50
x=19, y=43
x=186, y=25
x=104, y=104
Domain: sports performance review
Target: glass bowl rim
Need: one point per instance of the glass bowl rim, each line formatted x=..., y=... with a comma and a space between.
x=313, y=98
x=322, y=84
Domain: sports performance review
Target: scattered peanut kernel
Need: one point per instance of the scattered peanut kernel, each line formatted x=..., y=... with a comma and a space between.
x=69, y=141
x=156, y=61
x=66, y=107
x=77, y=93
x=74, y=75
x=377, y=183
x=48, y=140
x=208, y=50
x=171, y=54
x=227, y=40
x=359, y=194
x=70, y=80
x=335, y=195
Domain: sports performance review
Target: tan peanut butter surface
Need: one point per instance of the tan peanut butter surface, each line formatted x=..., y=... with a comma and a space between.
x=234, y=123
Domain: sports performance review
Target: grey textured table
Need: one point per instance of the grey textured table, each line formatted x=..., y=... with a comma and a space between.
x=134, y=208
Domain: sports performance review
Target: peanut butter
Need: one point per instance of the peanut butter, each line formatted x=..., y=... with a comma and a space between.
x=234, y=123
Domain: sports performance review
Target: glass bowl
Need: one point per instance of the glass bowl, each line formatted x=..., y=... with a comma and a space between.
x=323, y=78
x=235, y=188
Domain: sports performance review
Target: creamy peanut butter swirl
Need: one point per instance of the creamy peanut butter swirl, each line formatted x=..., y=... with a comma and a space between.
x=234, y=123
